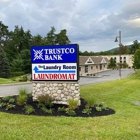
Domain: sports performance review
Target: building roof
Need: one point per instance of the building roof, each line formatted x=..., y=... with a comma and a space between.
x=92, y=60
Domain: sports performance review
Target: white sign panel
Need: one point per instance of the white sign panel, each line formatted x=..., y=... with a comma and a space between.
x=54, y=71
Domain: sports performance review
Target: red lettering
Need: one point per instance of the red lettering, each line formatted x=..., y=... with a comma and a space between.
x=63, y=76
x=55, y=76
x=35, y=76
x=41, y=76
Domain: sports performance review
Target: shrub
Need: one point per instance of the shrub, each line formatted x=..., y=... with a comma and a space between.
x=49, y=111
x=90, y=102
x=22, y=97
x=11, y=100
x=6, y=99
x=87, y=110
x=98, y=108
x=23, y=78
x=45, y=99
x=9, y=106
x=62, y=109
x=2, y=104
x=73, y=103
x=103, y=105
x=13, y=74
x=70, y=112
x=29, y=109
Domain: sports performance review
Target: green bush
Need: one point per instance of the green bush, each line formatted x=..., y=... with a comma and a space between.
x=13, y=74
x=72, y=103
x=2, y=104
x=6, y=99
x=87, y=110
x=22, y=97
x=29, y=109
x=45, y=99
x=23, y=78
x=70, y=112
x=90, y=102
x=62, y=109
x=49, y=111
x=9, y=106
x=11, y=100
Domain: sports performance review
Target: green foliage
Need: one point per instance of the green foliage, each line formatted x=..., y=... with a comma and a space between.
x=39, y=105
x=45, y=99
x=16, y=45
x=136, y=58
x=134, y=46
x=22, y=97
x=62, y=109
x=98, y=108
x=90, y=101
x=72, y=103
x=6, y=98
x=4, y=65
x=2, y=104
x=11, y=100
x=112, y=64
x=23, y=78
x=22, y=62
x=15, y=73
x=62, y=38
x=9, y=106
x=7, y=102
x=87, y=110
x=103, y=105
x=48, y=111
x=26, y=62
x=70, y=112
x=29, y=109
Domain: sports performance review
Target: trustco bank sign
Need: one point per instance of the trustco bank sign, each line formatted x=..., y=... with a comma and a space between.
x=55, y=63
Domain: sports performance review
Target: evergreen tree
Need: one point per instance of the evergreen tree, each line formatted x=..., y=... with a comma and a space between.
x=136, y=57
x=62, y=38
x=112, y=63
x=4, y=64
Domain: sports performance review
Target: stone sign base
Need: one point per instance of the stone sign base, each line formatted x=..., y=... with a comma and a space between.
x=60, y=91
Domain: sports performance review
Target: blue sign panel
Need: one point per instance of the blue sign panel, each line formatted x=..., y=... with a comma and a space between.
x=54, y=54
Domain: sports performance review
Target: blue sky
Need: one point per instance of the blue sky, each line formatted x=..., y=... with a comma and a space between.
x=93, y=24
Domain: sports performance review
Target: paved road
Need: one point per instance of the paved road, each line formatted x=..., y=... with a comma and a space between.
x=6, y=90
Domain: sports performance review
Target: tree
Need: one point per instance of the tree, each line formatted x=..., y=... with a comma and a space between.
x=112, y=63
x=37, y=40
x=123, y=49
x=136, y=64
x=51, y=37
x=4, y=65
x=22, y=63
x=62, y=38
x=134, y=47
x=3, y=33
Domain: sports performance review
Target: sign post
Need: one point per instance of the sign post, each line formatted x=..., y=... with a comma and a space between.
x=55, y=71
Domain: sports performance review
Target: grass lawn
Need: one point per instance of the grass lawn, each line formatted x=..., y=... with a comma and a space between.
x=121, y=95
x=6, y=81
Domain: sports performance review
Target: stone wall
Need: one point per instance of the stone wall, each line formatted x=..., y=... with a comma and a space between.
x=61, y=92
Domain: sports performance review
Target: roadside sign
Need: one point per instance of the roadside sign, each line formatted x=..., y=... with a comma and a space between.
x=55, y=63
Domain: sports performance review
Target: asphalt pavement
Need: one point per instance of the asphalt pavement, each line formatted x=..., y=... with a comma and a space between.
x=7, y=90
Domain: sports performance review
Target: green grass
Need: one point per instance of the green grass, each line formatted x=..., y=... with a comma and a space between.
x=124, y=125
x=6, y=81
x=10, y=80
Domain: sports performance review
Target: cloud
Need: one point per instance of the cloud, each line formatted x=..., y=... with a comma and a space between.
x=92, y=24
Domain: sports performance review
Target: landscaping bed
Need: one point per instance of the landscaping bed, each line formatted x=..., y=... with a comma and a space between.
x=30, y=107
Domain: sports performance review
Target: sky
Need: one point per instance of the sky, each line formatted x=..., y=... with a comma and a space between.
x=93, y=24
